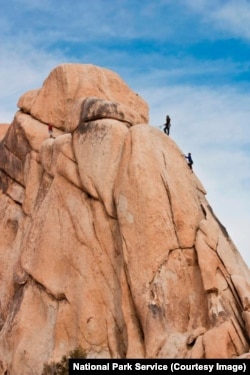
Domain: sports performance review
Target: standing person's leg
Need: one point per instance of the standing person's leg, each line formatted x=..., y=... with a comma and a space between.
x=166, y=130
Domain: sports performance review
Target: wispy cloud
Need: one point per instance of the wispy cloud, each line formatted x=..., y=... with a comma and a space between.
x=231, y=18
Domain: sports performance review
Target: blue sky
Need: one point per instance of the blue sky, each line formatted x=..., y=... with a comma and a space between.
x=186, y=58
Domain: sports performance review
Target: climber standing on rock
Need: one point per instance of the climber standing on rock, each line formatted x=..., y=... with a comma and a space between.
x=167, y=125
x=50, y=129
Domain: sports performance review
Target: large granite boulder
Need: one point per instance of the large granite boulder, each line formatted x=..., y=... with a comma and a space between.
x=107, y=239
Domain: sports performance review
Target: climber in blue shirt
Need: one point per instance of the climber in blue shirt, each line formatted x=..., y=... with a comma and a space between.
x=189, y=160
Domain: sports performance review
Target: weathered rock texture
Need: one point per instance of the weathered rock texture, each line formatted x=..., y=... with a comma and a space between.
x=107, y=239
x=3, y=130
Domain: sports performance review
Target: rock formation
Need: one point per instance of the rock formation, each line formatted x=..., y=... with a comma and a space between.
x=107, y=239
x=3, y=130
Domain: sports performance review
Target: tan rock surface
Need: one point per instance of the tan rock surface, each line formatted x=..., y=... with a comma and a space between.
x=69, y=82
x=3, y=130
x=107, y=239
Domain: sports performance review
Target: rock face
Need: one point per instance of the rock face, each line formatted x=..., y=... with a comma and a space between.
x=107, y=239
x=3, y=130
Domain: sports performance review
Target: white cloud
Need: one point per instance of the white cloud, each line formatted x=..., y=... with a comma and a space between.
x=230, y=17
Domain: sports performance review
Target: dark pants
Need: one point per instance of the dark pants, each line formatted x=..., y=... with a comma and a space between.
x=166, y=130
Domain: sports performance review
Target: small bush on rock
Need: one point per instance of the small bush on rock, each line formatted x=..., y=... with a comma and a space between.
x=62, y=367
